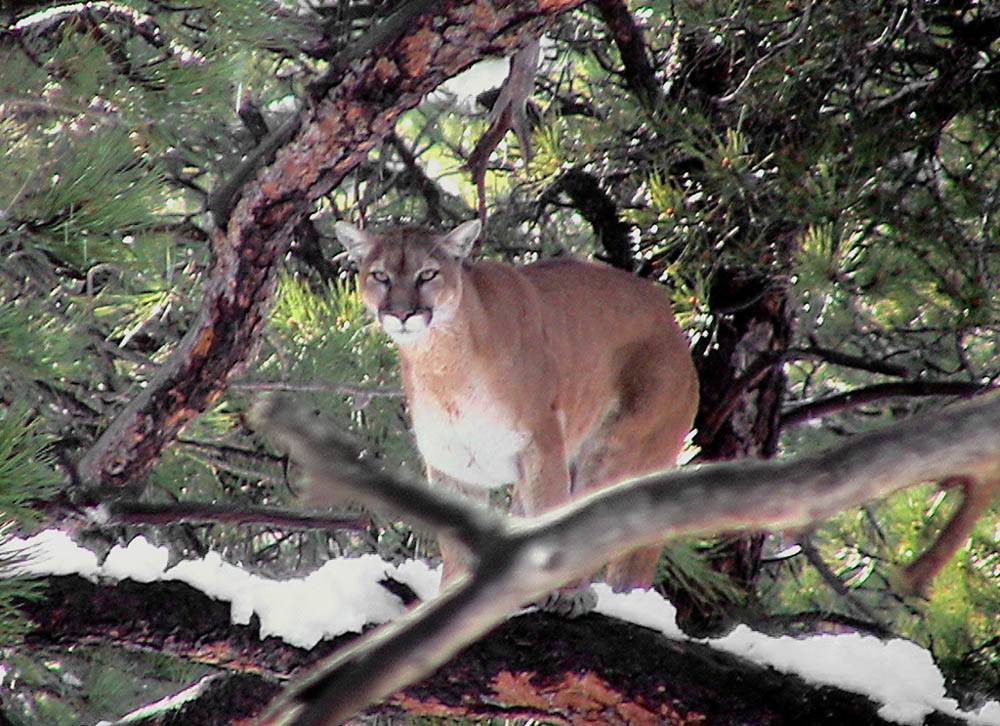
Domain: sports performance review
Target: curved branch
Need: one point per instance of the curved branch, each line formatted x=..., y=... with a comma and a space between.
x=877, y=392
x=759, y=368
x=49, y=23
x=597, y=207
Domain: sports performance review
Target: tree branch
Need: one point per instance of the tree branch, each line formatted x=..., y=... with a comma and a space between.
x=535, y=665
x=597, y=207
x=877, y=392
x=628, y=37
x=345, y=389
x=125, y=512
x=520, y=560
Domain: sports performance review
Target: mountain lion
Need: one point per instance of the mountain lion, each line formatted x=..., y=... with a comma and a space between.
x=561, y=376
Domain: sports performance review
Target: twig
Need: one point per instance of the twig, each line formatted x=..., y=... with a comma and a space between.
x=343, y=388
x=759, y=368
x=795, y=37
x=836, y=584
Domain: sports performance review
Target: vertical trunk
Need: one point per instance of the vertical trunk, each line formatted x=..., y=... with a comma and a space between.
x=739, y=414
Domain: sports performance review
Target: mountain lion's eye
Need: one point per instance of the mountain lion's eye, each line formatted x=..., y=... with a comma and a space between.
x=379, y=277
x=427, y=275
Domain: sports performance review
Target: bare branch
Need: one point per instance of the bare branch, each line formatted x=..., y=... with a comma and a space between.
x=759, y=368
x=836, y=584
x=877, y=392
x=596, y=206
x=125, y=512
x=519, y=560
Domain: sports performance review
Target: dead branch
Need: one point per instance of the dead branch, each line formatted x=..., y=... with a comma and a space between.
x=520, y=560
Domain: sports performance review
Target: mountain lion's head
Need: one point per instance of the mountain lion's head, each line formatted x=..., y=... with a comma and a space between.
x=409, y=277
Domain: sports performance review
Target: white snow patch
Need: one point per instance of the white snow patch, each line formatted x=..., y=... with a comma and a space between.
x=896, y=673
x=168, y=703
x=50, y=552
x=642, y=607
x=140, y=561
x=341, y=596
x=344, y=595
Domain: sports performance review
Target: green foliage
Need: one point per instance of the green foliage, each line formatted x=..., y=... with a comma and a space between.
x=26, y=477
x=90, y=683
x=687, y=564
x=325, y=337
x=26, y=470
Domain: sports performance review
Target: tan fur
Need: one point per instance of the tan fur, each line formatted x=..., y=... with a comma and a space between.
x=567, y=376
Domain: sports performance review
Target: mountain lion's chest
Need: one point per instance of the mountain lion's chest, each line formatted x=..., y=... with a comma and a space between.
x=469, y=437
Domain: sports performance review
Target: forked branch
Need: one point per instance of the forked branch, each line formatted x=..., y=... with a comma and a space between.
x=520, y=560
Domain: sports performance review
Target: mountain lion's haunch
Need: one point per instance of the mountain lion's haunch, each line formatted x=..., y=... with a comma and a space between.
x=561, y=376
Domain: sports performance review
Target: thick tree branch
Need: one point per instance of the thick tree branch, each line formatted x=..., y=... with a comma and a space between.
x=597, y=207
x=518, y=561
x=330, y=136
x=128, y=613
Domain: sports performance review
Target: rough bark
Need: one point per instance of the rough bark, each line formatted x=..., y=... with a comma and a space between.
x=169, y=617
x=353, y=108
x=753, y=323
x=637, y=68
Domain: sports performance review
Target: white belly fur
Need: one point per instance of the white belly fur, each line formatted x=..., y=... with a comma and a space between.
x=476, y=445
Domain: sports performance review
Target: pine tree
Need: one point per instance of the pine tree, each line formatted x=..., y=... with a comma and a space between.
x=815, y=183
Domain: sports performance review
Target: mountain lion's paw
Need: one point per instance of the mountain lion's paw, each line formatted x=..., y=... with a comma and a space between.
x=569, y=603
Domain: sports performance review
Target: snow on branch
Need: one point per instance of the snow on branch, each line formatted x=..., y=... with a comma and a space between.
x=519, y=560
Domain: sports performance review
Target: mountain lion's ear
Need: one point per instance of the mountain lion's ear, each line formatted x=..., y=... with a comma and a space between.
x=460, y=241
x=356, y=242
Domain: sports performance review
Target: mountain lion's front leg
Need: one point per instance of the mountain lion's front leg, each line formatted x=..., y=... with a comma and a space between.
x=454, y=555
x=545, y=484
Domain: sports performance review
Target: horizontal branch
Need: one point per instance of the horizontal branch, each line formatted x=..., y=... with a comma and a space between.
x=345, y=389
x=533, y=666
x=877, y=392
x=129, y=512
x=167, y=617
x=520, y=560
x=757, y=369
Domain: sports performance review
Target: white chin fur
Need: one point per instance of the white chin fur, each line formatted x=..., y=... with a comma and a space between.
x=413, y=328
